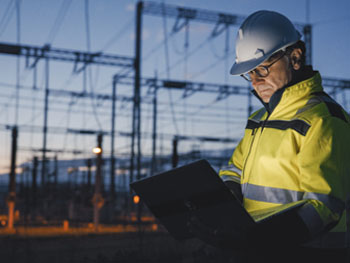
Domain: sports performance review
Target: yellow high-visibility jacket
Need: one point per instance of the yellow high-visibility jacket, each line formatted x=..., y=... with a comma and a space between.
x=298, y=150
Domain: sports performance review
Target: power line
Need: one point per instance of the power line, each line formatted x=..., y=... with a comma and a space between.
x=6, y=105
x=83, y=105
x=176, y=48
x=33, y=110
x=191, y=53
x=167, y=62
x=88, y=43
x=194, y=51
x=157, y=47
x=118, y=35
x=209, y=67
x=59, y=20
x=75, y=56
x=18, y=61
x=63, y=109
x=7, y=16
x=214, y=51
x=65, y=139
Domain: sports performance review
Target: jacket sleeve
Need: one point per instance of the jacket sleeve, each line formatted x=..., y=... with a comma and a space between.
x=323, y=167
x=232, y=172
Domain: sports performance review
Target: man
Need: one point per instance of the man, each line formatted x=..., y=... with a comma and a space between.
x=295, y=148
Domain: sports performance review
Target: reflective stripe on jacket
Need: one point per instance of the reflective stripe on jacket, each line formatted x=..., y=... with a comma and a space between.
x=299, y=151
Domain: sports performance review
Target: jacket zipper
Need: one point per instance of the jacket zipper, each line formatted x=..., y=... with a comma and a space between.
x=264, y=122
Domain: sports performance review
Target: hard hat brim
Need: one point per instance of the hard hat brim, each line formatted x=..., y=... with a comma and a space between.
x=244, y=67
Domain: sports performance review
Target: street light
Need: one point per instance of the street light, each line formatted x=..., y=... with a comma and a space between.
x=97, y=150
x=136, y=199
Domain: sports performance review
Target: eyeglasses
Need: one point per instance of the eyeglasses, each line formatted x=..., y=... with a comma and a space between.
x=263, y=71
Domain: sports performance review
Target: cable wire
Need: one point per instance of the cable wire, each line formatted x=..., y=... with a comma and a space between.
x=206, y=69
x=84, y=111
x=186, y=48
x=118, y=35
x=214, y=51
x=167, y=62
x=18, y=61
x=175, y=46
x=7, y=16
x=34, y=116
x=65, y=138
x=191, y=53
x=88, y=43
x=6, y=106
x=59, y=20
x=157, y=47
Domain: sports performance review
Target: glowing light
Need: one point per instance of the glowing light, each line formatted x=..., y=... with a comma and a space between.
x=136, y=199
x=97, y=150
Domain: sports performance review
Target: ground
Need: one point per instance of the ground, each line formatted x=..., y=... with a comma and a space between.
x=105, y=246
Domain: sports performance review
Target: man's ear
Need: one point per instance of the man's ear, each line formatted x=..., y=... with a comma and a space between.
x=295, y=58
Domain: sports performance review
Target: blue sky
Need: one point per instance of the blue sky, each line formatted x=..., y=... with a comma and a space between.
x=111, y=30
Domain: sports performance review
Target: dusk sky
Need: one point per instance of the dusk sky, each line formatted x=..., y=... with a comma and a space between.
x=108, y=26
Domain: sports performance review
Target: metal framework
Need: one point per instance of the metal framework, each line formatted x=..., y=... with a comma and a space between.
x=191, y=87
x=220, y=19
x=65, y=55
x=206, y=16
x=77, y=57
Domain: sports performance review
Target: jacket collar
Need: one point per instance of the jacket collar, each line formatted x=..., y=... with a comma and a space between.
x=307, y=76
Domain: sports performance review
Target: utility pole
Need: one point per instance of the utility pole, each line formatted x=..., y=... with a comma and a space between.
x=55, y=173
x=154, y=133
x=12, y=186
x=46, y=103
x=136, y=120
x=34, y=185
x=175, y=157
x=97, y=198
x=89, y=164
x=112, y=170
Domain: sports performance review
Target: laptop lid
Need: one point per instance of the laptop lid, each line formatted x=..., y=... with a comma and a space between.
x=193, y=189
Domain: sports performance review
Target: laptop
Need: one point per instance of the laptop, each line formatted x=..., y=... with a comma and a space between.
x=196, y=189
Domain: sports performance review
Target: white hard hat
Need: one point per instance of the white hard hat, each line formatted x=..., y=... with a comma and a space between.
x=262, y=34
